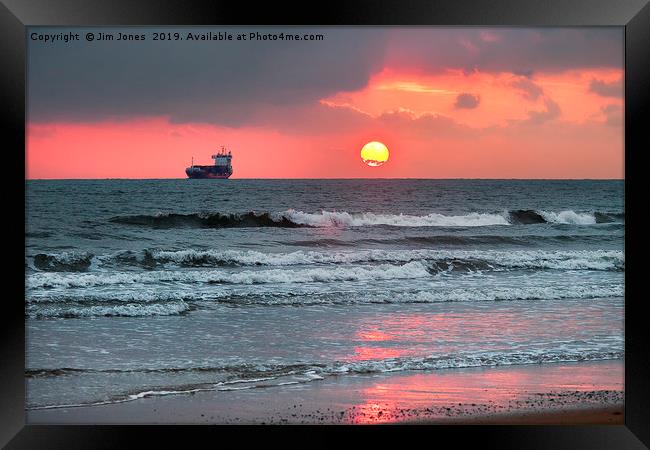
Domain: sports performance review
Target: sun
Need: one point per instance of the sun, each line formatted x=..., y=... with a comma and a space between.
x=374, y=154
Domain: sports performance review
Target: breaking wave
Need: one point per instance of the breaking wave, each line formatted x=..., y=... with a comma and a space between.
x=443, y=295
x=451, y=259
x=62, y=311
x=63, y=262
x=413, y=269
x=178, y=301
x=529, y=216
x=207, y=220
x=294, y=219
x=471, y=259
x=345, y=219
x=388, y=265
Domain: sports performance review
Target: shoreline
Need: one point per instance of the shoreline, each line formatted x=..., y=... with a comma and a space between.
x=555, y=393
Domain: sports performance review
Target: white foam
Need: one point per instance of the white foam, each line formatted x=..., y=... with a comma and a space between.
x=593, y=352
x=127, y=310
x=409, y=264
x=567, y=260
x=474, y=219
x=346, y=219
x=414, y=269
x=569, y=217
x=127, y=296
x=443, y=293
x=495, y=293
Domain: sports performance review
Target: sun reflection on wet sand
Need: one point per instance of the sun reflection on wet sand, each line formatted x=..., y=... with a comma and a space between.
x=472, y=392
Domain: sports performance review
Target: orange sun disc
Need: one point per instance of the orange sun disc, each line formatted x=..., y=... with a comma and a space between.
x=374, y=154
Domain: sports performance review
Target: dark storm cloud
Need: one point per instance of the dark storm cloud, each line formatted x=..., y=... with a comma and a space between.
x=614, y=89
x=518, y=50
x=232, y=83
x=196, y=81
x=467, y=101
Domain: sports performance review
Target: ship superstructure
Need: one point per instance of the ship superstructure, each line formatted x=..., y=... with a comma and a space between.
x=221, y=169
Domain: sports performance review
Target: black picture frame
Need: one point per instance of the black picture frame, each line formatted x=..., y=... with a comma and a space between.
x=634, y=15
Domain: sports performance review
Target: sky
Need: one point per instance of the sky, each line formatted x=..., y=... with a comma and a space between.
x=448, y=102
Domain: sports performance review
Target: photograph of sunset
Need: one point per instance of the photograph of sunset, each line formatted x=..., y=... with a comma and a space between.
x=325, y=225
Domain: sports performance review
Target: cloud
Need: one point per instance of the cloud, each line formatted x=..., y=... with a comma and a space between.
x=613, y=115
x=467, y=101
x=321, y=118
x=235, y=83
x=220, y=82
x=602, y=88
x=551, y=111
x=529, y=90
x=521, y=51
x=524, y=73
x=425, y=125
x=327, y=118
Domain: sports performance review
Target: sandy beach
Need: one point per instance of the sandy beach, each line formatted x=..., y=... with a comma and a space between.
x=563, y=393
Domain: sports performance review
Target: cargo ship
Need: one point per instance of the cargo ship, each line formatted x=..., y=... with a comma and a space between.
x=221, y=169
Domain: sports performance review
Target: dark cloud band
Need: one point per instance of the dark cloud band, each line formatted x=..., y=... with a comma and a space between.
x=230, y=82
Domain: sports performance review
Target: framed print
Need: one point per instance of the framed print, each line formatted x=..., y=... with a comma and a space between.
x=365, y=216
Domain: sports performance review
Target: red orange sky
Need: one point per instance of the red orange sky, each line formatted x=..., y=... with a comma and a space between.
x=490, y=104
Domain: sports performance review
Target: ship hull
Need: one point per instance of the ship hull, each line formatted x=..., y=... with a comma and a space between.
x=207, y=173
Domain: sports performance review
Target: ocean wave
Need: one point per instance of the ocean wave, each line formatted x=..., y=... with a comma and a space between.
x=449, y=259
x=241, y=371
x=345, y=219
x=456, y=259
x=446, y=259
x=117, y=298
x=402, y=264
x=388, y=265
x=447, y=240
x=174, y=301
x=439, y=295
x=63, y=262
x=609, y=217
x=413, y=269
x=436, y=241
x=294, y=219
x=208, y=220
x=255, y=376
x=569, y=217
x=122, y=310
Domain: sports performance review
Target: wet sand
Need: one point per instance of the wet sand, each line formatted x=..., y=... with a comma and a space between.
x=613, y=415
x=562, y=393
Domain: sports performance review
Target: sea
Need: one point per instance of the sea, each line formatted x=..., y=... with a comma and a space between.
x=141, y=288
